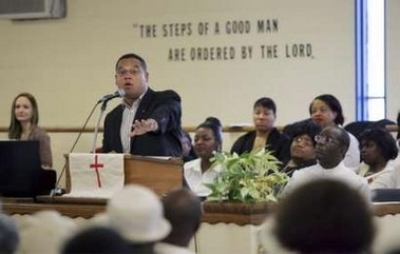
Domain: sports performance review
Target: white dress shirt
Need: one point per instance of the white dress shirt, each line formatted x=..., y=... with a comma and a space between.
x=196, y=179
x=384, y=179
x=340, y=172
x=128, y=115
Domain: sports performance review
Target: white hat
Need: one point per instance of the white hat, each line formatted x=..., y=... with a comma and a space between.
x=45, y=232
x=136, y=213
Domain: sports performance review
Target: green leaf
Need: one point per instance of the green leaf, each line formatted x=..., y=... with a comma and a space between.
x=249, y=177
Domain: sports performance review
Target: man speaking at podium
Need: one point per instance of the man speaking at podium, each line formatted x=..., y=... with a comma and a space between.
x=147, y=122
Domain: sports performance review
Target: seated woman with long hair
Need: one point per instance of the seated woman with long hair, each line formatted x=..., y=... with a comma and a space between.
x=24, y=126
x=207, y=140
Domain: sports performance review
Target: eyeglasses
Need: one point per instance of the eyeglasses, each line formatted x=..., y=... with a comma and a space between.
x=323, y=140
x=134, y=71
x=306, y=141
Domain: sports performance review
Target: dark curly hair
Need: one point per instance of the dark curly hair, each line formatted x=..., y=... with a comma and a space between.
x=308, y=128
x=383, y=139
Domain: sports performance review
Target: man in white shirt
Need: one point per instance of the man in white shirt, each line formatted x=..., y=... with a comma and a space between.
x=331, y=147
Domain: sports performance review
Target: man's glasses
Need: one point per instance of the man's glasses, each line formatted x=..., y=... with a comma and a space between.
x=123, y=72
x=323, y=140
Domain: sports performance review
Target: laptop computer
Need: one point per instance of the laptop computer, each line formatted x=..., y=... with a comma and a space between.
x=19, y=168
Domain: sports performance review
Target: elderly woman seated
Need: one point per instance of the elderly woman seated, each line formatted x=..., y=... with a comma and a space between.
x=378, y=151
x=302, y=148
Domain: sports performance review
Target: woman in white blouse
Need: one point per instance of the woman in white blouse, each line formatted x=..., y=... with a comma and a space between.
x=207, y=139
x=378, y=151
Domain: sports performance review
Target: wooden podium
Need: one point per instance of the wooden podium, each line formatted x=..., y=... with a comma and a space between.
x=159, y=174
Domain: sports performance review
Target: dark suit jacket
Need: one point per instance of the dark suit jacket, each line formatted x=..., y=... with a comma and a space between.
x=277, y=142
x=165, y=108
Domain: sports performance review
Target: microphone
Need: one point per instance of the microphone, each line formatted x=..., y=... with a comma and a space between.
x=106, y=98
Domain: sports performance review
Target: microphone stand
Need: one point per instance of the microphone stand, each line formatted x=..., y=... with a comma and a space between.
x=96, y=130
x=57, y=190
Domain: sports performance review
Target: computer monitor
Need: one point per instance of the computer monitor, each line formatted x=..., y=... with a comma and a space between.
x=19, y=168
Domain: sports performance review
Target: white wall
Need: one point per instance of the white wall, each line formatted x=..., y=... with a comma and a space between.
x=68, y=64
x=392, y=58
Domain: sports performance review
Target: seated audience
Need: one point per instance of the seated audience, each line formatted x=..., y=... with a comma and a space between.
x=378, y=151
x=330, y=150
x=326, y=110
x=325, y=216
x=188, y=153
x=183, y=210
x=45, y=232
x=24, y=126
x=207, y=140
x=9, y=237
x=136, y=213
x=302, y=149
x=265, y=136
x=97, y=240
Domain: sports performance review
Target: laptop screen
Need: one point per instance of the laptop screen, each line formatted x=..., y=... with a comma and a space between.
x=19, y=168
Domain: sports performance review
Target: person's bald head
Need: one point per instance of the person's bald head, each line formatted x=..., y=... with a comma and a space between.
x=332, y=145
x=343, y=137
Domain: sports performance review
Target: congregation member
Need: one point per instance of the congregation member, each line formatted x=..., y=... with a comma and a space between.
x=207, y=140
x=324, y=216
x=326, y=110
x=183, y=210
x=45, y=232
x=265, y=136
x=332, y=144
x=96, y=240
x=9, y=236
x=147, y=122
x=136, y=213
x=302, y=148
x=378, y=154
x=24, y=125
x=188, y=153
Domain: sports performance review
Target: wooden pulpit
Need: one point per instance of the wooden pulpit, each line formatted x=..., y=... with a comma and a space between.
x=159, y=174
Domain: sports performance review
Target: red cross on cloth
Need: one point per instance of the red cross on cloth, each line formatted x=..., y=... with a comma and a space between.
x=96, y=167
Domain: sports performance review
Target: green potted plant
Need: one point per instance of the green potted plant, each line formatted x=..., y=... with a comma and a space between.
x=249, y=178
